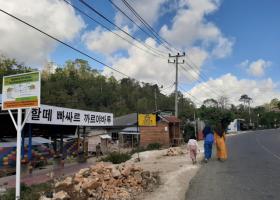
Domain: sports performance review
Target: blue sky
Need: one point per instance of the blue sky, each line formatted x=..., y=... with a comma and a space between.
x=233, y=45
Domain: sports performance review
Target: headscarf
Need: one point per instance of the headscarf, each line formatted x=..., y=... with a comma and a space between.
x=219, y=130
x=206, y=130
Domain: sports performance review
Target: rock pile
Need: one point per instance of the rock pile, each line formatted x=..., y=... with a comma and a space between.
x=106, y=182
x=173, y=152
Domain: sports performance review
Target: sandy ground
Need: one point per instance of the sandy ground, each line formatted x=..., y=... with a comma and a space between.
x=175, y=172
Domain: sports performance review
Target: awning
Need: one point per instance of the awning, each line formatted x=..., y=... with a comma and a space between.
x=105, y=137
x=129, y=133
x=35, y=141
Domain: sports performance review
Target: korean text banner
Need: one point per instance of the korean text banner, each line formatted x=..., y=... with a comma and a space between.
x=147, y=120
x=66, y=116
x=21, y=91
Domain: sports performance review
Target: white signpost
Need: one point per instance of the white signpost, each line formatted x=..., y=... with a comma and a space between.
x=20, y=91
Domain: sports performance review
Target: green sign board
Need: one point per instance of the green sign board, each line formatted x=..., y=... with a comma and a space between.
x=21, y=91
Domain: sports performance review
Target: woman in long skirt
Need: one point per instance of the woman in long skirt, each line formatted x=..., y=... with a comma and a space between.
x=220, y=141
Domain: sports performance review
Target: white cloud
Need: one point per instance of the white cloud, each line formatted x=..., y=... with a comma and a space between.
x=198, y=57
x=150, y=16
x=229, y=85
x=27, y=45
x=190, y=30
x=190, y=26
x=143, y=66
x=149, y=68
x=105, y=41
x=244, y=64
x=257, y=68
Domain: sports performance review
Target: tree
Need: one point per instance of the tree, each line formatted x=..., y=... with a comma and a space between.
x=223, y=102
x=11, y=66
x=212, y=103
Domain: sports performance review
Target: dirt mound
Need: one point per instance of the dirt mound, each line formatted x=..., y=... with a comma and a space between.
x=108, y=182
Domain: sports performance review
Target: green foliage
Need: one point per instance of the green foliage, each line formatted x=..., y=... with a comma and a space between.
x=215, y=116
x=154, y=146
x=78, y=86
x=11, y=66
x=27, y=192
x=116, y=158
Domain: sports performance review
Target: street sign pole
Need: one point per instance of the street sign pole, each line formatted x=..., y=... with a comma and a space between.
x=19, y=126
x=20, y=91
x=18, y=162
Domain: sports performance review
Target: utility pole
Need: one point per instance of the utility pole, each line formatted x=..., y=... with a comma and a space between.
x=194, y=124
x=176, y=62
x=156, y=99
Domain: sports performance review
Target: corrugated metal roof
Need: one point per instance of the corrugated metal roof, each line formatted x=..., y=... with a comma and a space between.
x=106, y=136
x=126, y=120
x=171, y=119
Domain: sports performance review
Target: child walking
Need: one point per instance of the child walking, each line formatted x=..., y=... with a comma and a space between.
x=192, y=146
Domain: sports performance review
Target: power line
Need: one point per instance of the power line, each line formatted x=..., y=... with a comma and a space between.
x=99, y=23
x=67, y=45
x=162, y=40
x=156, y=51
x=191, y=95
x=120, y=10
x=202, y=83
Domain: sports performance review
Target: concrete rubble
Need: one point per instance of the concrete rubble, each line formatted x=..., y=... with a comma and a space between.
x=106, y=182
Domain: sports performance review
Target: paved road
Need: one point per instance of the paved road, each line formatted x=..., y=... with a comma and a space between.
x=252, y=171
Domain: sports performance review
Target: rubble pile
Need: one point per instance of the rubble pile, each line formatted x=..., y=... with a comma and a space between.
x=106, y=182
x=173, y=152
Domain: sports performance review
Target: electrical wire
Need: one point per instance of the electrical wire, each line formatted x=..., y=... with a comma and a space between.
x=200, y=102
x=64, y=43
x=67, y=45
x=156, y=51
x=129, y=18
x=108, y=29
x=153, y=32
x=202, y=83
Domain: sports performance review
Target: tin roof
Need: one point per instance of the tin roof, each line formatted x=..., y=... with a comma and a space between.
x=171, y=119
x=126, y=120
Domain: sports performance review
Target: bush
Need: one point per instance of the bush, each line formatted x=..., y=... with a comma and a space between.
x=154, y=146
x=116, y=158
x=27, y=193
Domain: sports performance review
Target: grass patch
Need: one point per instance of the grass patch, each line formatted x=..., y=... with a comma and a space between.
x=27, y=193
x=116, y=158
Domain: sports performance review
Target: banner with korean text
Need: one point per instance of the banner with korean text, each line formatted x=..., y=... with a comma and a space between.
x=65, y=116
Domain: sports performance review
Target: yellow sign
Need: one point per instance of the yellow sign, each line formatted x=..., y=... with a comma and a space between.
x=147, y=120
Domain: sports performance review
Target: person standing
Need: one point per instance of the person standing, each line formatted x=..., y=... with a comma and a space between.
x=192, y=146
x=220, y=141
x=208, y=142
x=98, y=150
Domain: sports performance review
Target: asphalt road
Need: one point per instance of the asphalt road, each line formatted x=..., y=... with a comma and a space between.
x=252, y=171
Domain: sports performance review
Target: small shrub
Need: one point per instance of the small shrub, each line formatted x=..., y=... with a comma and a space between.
x=116, y=158
x=154, y=146
x=27, y=193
